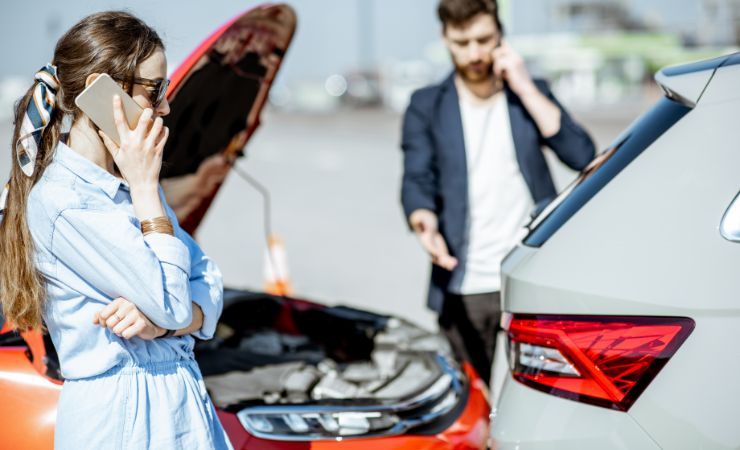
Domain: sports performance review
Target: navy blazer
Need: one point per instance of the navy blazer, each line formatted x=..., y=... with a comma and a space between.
x=435, y=173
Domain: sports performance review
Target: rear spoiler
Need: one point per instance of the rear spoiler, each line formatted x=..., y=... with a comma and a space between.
x=686, y=83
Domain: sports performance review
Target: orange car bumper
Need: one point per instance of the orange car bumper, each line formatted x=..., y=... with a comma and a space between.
x=468, y=432
x=32, y=398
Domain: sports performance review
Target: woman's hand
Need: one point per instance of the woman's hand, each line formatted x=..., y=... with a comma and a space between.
x=195, y=324
x=125, y=320
x=139, y=157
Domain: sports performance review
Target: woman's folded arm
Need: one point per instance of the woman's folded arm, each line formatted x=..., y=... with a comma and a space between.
x=108, y=250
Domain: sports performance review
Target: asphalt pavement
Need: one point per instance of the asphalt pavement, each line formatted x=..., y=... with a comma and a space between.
x=334, y=185
x=333, y=181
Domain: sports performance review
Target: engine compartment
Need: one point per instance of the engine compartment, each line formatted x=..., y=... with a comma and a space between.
x=272, y=350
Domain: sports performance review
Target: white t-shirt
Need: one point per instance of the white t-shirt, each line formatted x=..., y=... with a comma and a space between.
x=498, y=197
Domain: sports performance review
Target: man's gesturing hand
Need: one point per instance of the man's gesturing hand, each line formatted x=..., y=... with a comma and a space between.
x=424, y=224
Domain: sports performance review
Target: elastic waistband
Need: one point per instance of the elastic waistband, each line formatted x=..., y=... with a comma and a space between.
x=130, y=367
x=152, y=366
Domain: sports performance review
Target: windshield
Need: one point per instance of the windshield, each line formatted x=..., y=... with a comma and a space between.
x=649, y=127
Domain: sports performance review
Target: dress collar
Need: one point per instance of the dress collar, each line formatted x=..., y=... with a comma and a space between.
x=87, y=170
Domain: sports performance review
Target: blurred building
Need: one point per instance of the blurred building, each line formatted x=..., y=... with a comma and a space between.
x=360, y=53
x=696, y=22
x=606, y=51
x=594, y=52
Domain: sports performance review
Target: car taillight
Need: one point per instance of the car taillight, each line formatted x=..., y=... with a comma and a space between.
x=603, y=360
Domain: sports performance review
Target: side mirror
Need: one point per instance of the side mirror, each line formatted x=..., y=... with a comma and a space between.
x=729, y=226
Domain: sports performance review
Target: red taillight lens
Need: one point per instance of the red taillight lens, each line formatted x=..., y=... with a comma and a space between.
x=602, y=360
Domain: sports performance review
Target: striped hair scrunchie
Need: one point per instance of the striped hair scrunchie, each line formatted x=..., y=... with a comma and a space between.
x=37, y=116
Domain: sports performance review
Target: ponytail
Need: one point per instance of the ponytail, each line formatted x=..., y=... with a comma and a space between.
x=22, y=287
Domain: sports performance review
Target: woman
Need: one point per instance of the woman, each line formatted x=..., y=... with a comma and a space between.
x=90, y=246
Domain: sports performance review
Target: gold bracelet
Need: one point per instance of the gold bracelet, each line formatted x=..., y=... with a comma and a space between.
x=159, y=224
x=164, y=229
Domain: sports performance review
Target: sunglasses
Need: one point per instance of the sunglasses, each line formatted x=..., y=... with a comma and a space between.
x=156, y=94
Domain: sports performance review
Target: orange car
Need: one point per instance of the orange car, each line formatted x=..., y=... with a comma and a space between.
x=290, y=374
x=283, y=373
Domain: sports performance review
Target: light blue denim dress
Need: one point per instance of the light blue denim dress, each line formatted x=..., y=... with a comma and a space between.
x=119, y=393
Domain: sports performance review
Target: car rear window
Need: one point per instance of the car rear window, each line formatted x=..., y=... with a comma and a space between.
x=649, y=127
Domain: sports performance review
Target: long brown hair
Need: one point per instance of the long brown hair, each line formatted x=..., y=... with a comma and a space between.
x=108, y=42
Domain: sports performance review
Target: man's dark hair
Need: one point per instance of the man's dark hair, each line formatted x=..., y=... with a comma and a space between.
x=457, y=12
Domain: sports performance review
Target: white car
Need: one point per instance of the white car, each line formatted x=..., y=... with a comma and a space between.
x=622, y=304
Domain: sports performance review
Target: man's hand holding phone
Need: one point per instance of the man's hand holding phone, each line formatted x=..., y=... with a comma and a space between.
x=509, y=66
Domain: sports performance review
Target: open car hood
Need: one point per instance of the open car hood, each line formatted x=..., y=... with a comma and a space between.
x=216, y=97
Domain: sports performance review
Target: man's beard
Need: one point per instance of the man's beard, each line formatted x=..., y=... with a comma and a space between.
x=475, y=75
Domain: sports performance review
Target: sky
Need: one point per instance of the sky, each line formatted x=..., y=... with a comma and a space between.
x=331, y=36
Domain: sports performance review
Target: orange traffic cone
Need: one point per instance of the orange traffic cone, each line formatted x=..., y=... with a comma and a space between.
x=277, y=280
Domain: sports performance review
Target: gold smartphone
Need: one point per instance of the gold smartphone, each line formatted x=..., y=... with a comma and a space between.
x=96, y=101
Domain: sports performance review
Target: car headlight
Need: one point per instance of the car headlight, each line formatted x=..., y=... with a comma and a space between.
x=307, y=425
x=309, y=422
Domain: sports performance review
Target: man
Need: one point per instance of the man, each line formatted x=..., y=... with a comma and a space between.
x=474, y=170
